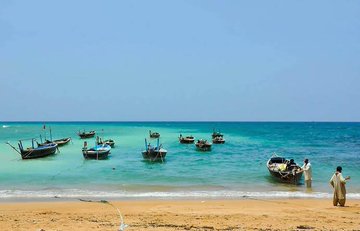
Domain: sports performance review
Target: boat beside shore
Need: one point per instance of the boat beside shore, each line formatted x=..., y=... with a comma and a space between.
x=284, y=170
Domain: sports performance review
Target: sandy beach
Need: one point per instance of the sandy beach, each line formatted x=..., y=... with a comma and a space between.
x=247, y=214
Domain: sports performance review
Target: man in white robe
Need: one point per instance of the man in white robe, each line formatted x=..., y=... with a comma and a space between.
x=306, y=168
x=338, y=182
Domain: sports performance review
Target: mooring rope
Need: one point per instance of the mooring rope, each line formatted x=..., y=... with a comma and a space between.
x=122, y=225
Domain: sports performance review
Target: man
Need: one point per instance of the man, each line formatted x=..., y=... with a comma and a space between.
x=291, y=165
x=338, y=182
x=306, y=168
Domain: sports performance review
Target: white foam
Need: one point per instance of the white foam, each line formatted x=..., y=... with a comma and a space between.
x=75, y=193
x=6, y=126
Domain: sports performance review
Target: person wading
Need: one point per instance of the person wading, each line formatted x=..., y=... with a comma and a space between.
x=338, y=182
x=306, y=168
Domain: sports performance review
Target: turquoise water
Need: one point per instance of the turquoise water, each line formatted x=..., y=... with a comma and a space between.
x=233, y=170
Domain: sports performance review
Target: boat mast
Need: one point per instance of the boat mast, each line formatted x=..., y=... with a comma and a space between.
x=50, y=134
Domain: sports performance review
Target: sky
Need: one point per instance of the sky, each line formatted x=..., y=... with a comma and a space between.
x=180, y=60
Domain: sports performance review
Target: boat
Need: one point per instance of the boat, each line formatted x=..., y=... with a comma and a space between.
x=216, y=134
x=154, y=134
x=99, y=152
x=59, y=142
x=284, y=170
x=203, y=145
x=218, y=140
x=33, y=151
x=109, y=142
x=186, y=140
x=84, y=135
x=154, y=153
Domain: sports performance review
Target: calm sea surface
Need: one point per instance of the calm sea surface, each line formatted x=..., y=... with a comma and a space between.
x=235, y=169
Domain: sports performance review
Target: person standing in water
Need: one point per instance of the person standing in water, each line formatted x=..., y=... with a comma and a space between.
x=338, y=182
x=306, y=168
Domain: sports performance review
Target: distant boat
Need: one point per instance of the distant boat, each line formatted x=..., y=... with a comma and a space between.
x=84, y=135
x=282, y=170
x=216, y=134
x=109, y=142
x=218, y=140
x=154, y=153
x=186, y=140
x=59, y=142
x=99, y=152
x=154, y=134
x=33, y=151
x=203, y=145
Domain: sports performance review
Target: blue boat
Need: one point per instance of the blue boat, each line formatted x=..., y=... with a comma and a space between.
x=154, y=153
x=99, y=152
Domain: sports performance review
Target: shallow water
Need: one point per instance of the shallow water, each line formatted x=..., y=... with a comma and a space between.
x=235, y=169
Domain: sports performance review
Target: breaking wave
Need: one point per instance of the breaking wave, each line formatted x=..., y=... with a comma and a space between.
x=75, y=193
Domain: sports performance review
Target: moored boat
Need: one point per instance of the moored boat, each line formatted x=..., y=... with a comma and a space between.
x=218, y=140
x=216, y=134
x=59, y=142
x=203, y=145
x=109, y=142
x=154, y=134
x=284, y=170
x=186, y=140
x=84, y=135
x=35, y=152
x=99, y=152
x=154, y=153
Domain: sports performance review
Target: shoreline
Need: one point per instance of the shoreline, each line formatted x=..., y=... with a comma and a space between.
x=71, y=195
x=246, y=214
x=98, y=199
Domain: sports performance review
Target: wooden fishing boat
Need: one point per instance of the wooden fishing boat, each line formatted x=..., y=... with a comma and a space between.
x=186, y=140
x=33, y=151
x=84, y=135
x=154, y=153
x=99, y=152
x=284, y=170
x=154, y=134
x=218, y=140
x=59, y=142
x=216, y=134
x=109, y=142
x=203, y=145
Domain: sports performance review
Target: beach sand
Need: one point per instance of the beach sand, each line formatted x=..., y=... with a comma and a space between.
x=246, y=214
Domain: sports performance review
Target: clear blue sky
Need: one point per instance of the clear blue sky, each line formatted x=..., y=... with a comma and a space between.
x=180, y=60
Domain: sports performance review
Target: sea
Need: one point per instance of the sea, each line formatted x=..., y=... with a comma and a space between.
x=234, y=170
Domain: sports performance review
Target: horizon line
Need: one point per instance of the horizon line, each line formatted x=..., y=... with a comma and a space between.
x=177, y=121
